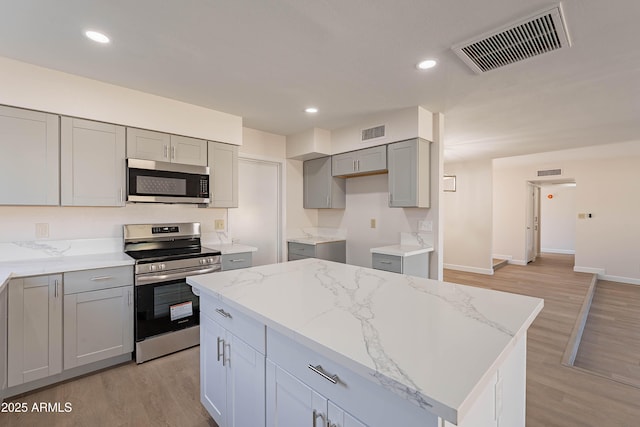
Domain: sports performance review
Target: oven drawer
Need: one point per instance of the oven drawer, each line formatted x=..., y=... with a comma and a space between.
x=247, y=329
x=99, y=278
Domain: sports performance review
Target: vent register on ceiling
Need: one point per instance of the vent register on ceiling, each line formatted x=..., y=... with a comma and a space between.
x=543, y=32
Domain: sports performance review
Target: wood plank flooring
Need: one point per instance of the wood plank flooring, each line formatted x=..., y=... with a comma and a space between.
x=610, y=343
x=161, y=392
x=558, y=395
x=165, y=392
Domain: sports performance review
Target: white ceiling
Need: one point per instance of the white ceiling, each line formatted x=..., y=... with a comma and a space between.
x=266, y=60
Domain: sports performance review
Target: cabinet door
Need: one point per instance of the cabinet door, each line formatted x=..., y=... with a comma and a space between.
x=148, y=145
x=188, y=151
x=290, y=402
x=97, y=325
x=343, y=164
x=92, y=163
x=213, y=374
x=223, y=170
x=372, y=159
x=337, y=417
x=409, y=170
x=29, y=164
x=34, y=328
x=245, y=384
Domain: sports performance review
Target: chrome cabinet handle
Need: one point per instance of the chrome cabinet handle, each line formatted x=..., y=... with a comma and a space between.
x=318, y=370
x=129, y=294
x=237, y=260
x=385, y=262
x=317, y=415
x=55, y=288
x=98, y=278
x=221, y=312
x=220, y=340
x=358, y=164
x=121, y=194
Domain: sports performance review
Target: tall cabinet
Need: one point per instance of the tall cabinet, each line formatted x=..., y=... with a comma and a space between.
x=92, y=163
x=223, y=169
x=29, y=164
x=34, y=328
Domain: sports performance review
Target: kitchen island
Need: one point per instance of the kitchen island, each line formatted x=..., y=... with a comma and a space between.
x=314, y=342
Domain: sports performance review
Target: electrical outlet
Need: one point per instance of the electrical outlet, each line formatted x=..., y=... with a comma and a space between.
x=42, y=231
x=219, y=224
x=373, y=223
x=425, y=226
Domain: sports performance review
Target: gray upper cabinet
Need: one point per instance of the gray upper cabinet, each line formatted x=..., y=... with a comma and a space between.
x=92, y=163
x=321, y=189
x=163, y=147
x=362, y=162
x=29, y=165
x=223, y=170
x=409, y=174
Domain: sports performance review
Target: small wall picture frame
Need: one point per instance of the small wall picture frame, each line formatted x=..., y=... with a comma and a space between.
x=449, y=183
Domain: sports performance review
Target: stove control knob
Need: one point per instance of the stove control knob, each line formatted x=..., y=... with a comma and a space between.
x=210, y=260
x=201, y=262
x=162, y=267
x=152, y=267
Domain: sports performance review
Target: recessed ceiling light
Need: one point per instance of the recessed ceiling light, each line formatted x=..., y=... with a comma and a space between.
x=311, y=110
x=97, y=37
x=426, y=64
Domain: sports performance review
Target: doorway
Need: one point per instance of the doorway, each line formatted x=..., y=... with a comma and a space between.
x=258, y=219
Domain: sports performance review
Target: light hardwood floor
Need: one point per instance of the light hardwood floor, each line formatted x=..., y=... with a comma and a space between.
x=610, y=343
x=558, y=395
x=164, y=392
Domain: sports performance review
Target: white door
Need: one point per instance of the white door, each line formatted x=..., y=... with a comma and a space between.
x=257, y=219
x=530, y=239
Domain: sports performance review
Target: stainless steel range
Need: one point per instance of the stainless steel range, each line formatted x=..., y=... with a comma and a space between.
x=167, y=313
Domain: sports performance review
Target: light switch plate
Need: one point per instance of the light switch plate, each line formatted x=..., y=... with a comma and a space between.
x=425, y=225
x=219, y=224
x=373, y=223
x=42, y=230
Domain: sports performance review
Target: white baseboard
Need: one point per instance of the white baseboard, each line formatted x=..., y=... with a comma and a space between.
x=487, y=271
x=598, y=271
x=498, y=256
x=619, y=279
x=518, y=262
x=558, y=251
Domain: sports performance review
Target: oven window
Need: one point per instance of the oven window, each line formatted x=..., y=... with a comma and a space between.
x=146, y=184
x=165, y=307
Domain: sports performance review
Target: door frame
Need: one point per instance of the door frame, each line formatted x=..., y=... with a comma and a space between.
x=282, y=168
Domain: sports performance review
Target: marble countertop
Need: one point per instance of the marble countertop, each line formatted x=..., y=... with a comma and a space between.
x=230, y=248
x=315, y=240
x=401, y=250
x=434, y=343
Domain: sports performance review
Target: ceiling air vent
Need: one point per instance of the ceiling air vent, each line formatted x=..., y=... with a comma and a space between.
x=373, y=133
x=532, y=36
x=550, y=172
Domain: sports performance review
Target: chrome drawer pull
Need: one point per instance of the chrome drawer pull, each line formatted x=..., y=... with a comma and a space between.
x=316, y=415
x=385, y=262
x=236, y=260
x=101, y=278
x=318, y=370
x=221, y=312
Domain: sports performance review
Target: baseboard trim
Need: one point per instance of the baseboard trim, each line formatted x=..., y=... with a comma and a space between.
x=518, y=262
x=620, y=279
x=592, y=270
x=498, y=256
x=487, y=271
x=558, y=251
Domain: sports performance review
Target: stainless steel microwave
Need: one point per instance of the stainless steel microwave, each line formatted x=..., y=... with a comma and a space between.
x=161, y=182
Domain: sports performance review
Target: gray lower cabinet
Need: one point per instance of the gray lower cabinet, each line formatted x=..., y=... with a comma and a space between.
x=412, y=265
x=330, y=251
x=92, y=159
x=98, y=315
x=321, y=189
x=361, y=162
x=236, y=261
x=409, y=174
x=30, y=165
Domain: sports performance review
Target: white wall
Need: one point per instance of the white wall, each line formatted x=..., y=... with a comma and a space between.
x=28, y=86
x=558, y=218
x=467, y=219
x=607, y=180
x=367, y=198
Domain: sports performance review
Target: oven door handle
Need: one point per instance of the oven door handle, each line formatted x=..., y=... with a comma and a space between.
x=144, y=280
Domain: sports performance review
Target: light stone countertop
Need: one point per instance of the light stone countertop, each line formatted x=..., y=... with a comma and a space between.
x=434, y=343
x=230, y=248
x=401, y=250
x=315, y=240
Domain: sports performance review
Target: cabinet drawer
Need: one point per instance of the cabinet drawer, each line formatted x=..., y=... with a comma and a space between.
x=387, y=263
x=294, y=257
x=363, y=398
x=302, y=249
x=247, y=329
x=235, y=261
x=99, y=278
